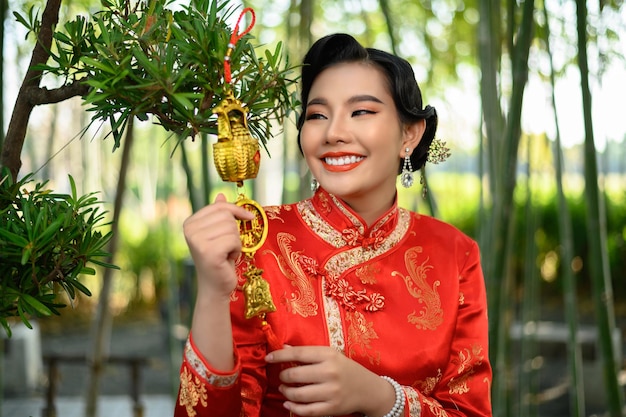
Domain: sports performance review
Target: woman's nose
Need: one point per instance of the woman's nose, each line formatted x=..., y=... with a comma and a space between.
x=337, y=132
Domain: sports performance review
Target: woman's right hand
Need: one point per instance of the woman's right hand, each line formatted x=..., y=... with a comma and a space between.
x=212, y=235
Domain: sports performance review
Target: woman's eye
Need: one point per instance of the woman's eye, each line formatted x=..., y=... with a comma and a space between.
x=315, y=116
x=362, y=112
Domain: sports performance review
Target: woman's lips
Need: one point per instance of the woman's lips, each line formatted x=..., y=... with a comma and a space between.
x=341, y=163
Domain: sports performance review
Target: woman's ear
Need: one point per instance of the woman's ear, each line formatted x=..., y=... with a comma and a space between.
x=412, y=135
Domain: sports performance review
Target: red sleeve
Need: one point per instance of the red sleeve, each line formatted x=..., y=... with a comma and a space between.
x=206, y=392
x=465, y=385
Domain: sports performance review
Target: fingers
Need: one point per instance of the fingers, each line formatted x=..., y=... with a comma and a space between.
x=319, y=380
x=309, y=400
x=220, y=205
x=212, y=234
x=303, y=354
x=306, y=393
x=309, y=390
x=215, y=220
x=308, y=364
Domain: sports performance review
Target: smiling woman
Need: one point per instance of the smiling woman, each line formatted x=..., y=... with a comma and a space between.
x=352, y=137
x=379, y=311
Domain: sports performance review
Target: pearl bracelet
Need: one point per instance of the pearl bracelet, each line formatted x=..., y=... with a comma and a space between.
x=398, y=407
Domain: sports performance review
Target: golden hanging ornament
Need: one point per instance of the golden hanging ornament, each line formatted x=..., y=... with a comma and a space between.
x=237, y=157
x=236, y=154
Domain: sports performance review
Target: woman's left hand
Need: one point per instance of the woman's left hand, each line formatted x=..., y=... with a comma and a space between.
x=325, y=382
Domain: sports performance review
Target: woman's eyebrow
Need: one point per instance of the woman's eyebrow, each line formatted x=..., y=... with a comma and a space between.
x=320, y=101
x=364, y=97
x=354, y=99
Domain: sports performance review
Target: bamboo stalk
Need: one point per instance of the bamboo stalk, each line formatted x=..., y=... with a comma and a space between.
x=530, y=304
x=574, y=354
x=596, y=231
x=103, y=322
x=502, y=159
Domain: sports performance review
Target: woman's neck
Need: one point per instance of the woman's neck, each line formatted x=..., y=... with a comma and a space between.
x=370, y=210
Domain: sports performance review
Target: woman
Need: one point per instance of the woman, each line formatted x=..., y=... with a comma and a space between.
x=380, y=311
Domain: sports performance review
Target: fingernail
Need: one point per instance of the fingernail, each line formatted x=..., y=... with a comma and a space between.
x=269, y=358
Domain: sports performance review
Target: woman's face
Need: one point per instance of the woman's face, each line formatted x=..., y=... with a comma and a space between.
x=352, y=137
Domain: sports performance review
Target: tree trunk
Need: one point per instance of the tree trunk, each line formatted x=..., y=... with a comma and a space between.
x=16, y=133
x=3, y=11
x=4, y=6
x=101, y=329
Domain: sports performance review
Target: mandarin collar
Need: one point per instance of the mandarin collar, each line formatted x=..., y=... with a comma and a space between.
x=346, y=221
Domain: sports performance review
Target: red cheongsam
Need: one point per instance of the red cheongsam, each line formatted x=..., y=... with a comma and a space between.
x=405, y=298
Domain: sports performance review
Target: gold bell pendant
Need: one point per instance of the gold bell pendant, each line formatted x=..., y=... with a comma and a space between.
x=236, y=154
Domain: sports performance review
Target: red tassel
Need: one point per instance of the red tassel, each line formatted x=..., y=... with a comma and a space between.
x=272, y=340
x=234, y=37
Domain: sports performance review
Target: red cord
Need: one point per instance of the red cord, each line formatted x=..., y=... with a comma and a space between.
x=234, y=37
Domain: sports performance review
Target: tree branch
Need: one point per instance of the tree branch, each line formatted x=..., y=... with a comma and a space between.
x=41, y=95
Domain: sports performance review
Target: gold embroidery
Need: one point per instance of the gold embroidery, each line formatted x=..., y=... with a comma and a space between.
x=302, y=300
x=333, y=322
x=468, y=359
x=367, y=273
x=435, y=407
x=325, y=203
x=273, y=212
x=461, y=298
x=320, y=227
x=347, y=296
x=192, y=392
x=353, y=219
x=427, y=386
x=198, y=366
x=459, y=385
x=335, y=238
x=360, y=336
x=341, y=262
x=431, y=315
x=415, y=406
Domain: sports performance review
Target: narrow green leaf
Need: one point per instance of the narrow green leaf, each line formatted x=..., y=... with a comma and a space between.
x=79, y=285
x=50, y=231
x=22, y=20
x=36, y=304
x=20, y=312
x=13, y=238
x=98, y=64
x=6, y=326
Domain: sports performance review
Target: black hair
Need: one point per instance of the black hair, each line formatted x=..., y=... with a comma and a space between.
x=340, y=48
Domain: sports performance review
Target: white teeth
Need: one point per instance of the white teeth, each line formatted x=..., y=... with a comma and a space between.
x=343, y=160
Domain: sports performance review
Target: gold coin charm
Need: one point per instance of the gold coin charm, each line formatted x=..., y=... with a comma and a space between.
x=252, y=232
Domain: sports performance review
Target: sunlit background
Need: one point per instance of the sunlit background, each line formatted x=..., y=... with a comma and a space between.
x=439, y=38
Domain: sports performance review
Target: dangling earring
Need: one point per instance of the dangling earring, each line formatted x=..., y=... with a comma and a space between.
x=314, y=184
x=406, y=178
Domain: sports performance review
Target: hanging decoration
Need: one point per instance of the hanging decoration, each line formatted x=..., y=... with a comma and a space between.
x=237, y=157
